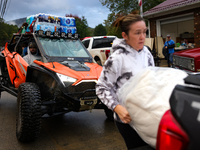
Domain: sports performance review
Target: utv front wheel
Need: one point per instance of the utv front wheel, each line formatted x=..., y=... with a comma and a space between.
x=99, y=62
x=28, y=122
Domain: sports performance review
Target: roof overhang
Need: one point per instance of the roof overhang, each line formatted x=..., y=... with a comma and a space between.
x=172, y=10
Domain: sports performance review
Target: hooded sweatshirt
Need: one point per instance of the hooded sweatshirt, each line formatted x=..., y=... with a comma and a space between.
x=29, y=58
x=124, y=63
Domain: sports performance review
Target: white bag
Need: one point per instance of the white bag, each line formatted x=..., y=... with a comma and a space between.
x=146, y=98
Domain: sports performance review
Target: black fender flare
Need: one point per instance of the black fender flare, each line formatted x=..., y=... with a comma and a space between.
x=46, y=79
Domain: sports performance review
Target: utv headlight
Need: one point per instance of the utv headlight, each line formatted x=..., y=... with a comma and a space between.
x=56, y=34
x=41, y=32
x=48, y=33
x=66, y=81
x=62, y=34
x=69, y=35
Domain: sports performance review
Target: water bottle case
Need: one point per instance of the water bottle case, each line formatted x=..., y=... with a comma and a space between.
x=46, y=22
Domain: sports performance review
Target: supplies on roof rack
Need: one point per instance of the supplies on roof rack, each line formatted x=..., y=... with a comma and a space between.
x=51, y=24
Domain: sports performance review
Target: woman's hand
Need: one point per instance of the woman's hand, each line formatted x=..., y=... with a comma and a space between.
x=122, y=113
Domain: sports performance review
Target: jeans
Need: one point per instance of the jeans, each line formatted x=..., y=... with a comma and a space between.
x=170, y=59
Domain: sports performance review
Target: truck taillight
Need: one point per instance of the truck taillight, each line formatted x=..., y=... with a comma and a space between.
x=170, y=134
x=107, y=53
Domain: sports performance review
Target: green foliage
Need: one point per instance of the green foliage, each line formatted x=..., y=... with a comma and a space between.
x=124, y=7
x=108, y=22
x=127, y=6
x=148, y=4
x=91, y=31
x=109, y=28
x=81, y=25
x=113, y=31
x=120, y=6
x=6, y=31
x=99, y=30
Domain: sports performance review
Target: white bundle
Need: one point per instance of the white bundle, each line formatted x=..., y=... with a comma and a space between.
x=146, y=97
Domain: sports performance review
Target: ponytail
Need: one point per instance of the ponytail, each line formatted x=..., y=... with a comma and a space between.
x=124, y=21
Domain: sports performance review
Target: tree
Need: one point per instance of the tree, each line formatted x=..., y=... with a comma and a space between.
x=124, y=7
x=91, y=31
x=109, y=28
x=6, y=31
x=119, y=6
x=99, y=30
x=148, y=4
x=127, y=6
x=81, y=25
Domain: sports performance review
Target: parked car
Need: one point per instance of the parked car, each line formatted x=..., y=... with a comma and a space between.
x=100, y=47
x=188, y=60
x=179, y=127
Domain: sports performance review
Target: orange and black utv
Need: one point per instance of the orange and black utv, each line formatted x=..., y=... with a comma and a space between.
x=60, y=79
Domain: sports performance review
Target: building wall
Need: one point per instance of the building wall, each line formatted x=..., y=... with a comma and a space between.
x=197, y=27
x=177, y=28
x=153, y=28
x=196, y=24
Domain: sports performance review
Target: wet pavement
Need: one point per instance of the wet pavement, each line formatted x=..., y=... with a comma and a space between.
x=163, y=63
x=71, y=131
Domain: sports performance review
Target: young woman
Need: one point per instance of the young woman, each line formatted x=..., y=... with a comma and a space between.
x=129, y=57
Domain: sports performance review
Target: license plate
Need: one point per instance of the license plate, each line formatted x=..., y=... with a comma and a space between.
x=88, y=102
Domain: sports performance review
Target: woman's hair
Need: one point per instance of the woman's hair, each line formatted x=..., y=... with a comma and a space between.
x=124, y=21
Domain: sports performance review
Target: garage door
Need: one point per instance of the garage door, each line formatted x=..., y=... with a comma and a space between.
x=176, y=29
x=177, y=26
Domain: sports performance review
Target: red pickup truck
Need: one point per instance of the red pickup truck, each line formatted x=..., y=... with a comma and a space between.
x=179, y=127
x=188, y=60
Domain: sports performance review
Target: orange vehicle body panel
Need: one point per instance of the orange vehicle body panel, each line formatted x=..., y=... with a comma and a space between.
x=93, y=74
x=17, y=67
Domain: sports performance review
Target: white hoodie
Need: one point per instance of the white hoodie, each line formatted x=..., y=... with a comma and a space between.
x=29, y=58
x=124, y=63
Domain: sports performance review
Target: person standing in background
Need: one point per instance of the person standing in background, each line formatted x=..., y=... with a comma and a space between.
x=169, y=45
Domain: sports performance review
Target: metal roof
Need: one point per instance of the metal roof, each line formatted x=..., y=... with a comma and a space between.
x=170, y=4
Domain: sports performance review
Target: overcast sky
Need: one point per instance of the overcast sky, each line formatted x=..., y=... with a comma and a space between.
x=93, y=10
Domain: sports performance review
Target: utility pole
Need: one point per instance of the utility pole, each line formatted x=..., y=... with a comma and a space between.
x=141, y=9
x=3, y=5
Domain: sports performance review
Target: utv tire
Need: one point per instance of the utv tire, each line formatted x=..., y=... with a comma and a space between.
x=109, y=114
x=28, y=122
x=99, y=62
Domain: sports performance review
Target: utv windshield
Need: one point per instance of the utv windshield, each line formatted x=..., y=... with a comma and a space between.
x=58, y=47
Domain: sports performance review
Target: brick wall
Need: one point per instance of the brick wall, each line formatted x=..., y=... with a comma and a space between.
x=196, y=24
x=153, y=33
